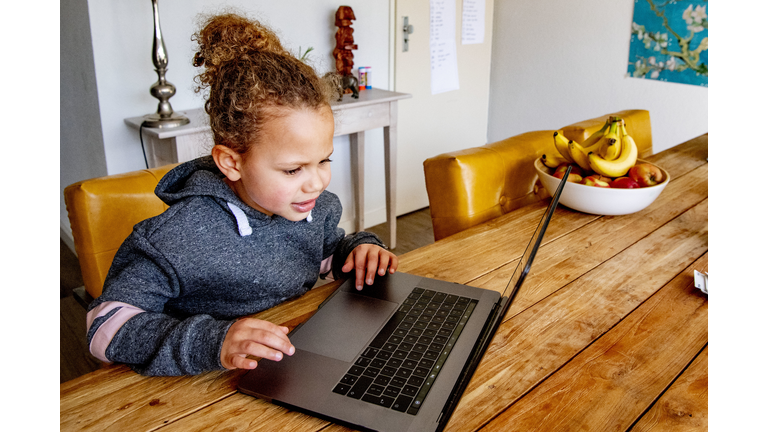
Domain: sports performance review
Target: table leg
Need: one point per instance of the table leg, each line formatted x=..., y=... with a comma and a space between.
x=390, y=172
x=357, y=157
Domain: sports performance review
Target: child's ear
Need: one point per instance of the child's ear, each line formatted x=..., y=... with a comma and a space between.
x=228, y=161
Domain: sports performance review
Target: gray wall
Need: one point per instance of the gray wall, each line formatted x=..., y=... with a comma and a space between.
x=81, y=141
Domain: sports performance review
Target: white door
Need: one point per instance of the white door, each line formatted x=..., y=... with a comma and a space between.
x=432, y=124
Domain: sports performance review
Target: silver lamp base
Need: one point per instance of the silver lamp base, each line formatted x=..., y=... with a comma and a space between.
x=156, y=121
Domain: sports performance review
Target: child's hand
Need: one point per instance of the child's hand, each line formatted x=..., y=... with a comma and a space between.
x=366, y=259
x=254, y=337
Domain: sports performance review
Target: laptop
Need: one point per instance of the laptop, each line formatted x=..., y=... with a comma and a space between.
x=396, y=356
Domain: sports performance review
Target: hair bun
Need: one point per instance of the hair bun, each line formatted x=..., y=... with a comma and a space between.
x=229, y=37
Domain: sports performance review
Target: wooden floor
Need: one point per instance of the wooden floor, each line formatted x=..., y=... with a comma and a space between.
x=414, y=230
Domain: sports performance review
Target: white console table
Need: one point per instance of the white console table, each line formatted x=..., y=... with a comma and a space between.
x=375, y=108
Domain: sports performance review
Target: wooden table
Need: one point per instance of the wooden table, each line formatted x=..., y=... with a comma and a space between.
x=607, y=333
x=373, y=109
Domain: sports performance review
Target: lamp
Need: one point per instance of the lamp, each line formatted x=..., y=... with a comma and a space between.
x=162, y=89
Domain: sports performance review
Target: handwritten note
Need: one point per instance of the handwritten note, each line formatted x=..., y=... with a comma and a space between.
x=473, y=22
x=442, y=44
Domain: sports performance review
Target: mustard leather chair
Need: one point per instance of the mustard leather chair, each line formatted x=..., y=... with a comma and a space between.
x=102, y=212
x=472, y=186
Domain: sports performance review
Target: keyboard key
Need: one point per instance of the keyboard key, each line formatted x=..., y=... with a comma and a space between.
x=341, y=389
x=415, y=381
x=426, y=363
x=362, y=361
x=420, y=372
x=375, y=389
x=395, y=363
x=348, y=379
x=388, y=371
x=378, y=363
x=409, y=391
x=390, y=346
x=384, y=401
x=371, y=372
x=370, y=352
x=402, y=403
x=410, y=364
x=414, y=355
x=358, y=390
x=403, y=373
x=391, y=391
x=400, y=354
x=381, y=381
x=356, y=370
x=397, y=382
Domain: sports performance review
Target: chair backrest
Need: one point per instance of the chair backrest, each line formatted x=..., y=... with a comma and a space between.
x=468, y=187
x=474, y=185
x=102, y=212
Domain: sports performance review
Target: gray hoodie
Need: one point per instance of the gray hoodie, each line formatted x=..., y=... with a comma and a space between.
x=180, y=279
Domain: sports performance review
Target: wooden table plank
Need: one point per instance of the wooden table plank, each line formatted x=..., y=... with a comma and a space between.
x=486, y=246
x=612, y=382
x=241, y=412
x=535, y=343
x=684, y=407
x=684, y=157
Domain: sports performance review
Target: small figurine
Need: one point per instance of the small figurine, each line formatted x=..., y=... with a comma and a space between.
x=343, y=55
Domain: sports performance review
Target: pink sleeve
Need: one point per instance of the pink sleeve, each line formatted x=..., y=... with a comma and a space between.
x=107, y=330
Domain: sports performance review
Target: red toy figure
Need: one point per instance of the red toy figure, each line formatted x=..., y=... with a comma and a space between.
x=345, y=43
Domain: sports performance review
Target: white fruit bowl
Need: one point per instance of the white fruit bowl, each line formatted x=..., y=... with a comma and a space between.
x=601, y=201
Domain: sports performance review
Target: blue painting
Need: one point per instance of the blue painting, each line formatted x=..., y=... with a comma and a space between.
x=669, y=41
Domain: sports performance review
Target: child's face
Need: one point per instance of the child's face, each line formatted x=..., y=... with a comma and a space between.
x=288, y=169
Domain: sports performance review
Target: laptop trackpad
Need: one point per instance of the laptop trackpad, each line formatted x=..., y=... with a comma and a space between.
x=343, y=327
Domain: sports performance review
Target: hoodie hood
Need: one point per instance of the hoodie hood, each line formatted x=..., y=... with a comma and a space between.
x=194, y=178
x=202, y=178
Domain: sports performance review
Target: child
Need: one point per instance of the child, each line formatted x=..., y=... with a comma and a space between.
x=248, y=227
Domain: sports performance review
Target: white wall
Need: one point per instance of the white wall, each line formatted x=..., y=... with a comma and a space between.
x=122, y=34
x=558, y=62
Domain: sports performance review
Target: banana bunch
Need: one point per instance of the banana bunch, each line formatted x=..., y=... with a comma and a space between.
x=610, y=151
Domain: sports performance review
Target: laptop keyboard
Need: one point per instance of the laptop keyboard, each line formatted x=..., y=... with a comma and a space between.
x=400, y=365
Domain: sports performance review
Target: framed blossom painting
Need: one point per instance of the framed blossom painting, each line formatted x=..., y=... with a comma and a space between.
x=669, y=41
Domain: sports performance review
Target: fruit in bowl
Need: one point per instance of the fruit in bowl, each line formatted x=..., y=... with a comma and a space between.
x=645, y=174
x=606, y=176
x=623, y=196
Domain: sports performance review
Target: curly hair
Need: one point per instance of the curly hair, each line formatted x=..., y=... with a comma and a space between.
x=250, y=78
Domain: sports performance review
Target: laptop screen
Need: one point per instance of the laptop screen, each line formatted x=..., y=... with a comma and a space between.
x=524, y=265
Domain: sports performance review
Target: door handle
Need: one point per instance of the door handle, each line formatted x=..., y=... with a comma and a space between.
x=407, y=29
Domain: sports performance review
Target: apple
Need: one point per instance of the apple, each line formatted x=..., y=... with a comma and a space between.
x=596, y=180
x=645, y=174
x=575, y=170
x=624, y=183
